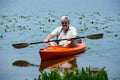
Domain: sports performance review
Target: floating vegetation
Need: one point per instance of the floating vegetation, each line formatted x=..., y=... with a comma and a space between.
x=53, y=20
x=4, y=16
x=44, y=31
x=88, y=22
x=107, y=31
x=83, y=30
x=5, y=30
x=109, y=19
x=96, y=28
x=1, y=36
x=116, y=35
x=92, y=22
x=84, y=74
x=94, y=14
x=82, y=17
x=24, y=17
x=20, y=27
x=80, y=22
x=49, y=20
x=1, y=23
x=9, y=20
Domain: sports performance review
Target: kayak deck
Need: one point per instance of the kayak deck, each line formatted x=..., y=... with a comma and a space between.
x=52, y=52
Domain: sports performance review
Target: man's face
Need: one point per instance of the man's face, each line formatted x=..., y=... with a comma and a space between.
x=65, y=24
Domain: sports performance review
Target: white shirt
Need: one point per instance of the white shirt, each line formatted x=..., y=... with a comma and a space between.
x=60, y=34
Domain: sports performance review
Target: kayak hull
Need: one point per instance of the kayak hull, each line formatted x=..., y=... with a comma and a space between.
x=52, y=52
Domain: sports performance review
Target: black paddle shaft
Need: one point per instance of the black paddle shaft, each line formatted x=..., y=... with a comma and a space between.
x=55, y=40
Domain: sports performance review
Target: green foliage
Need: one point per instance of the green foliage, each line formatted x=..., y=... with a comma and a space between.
x=84, y=74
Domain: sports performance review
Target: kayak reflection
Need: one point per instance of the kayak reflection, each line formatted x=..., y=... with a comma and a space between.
x=64, y=64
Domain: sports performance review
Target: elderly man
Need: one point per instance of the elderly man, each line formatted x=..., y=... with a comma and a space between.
x=65, y=31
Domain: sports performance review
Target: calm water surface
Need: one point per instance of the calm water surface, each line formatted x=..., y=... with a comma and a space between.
x=27, y=21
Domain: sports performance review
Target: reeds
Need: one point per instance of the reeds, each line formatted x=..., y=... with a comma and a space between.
x=83, y=74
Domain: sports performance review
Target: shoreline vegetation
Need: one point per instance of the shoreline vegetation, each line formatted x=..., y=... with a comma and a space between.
x=83, y=74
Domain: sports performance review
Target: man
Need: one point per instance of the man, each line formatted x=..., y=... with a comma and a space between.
x=65, y=31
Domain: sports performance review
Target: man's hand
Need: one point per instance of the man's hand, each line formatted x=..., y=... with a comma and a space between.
x=69, y=39
x=46, y=41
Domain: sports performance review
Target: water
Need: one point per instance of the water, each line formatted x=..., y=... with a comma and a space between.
x=31, y=21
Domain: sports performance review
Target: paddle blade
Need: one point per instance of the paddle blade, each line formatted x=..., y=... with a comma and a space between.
x=95, y=36
x=20, y=45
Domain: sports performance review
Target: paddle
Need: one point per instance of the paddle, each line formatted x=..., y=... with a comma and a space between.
x=23, y=45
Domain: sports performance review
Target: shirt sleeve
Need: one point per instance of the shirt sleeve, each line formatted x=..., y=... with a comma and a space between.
x=55, y=31
x=74, y=31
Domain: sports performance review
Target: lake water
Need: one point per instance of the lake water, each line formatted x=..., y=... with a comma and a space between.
x=32, y=21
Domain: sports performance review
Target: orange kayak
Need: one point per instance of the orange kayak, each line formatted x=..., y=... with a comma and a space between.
x=52, y=52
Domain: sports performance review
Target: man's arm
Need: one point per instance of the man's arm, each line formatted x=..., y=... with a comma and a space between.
x=48, y=38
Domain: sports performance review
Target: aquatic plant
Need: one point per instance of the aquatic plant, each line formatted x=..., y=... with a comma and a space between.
x=84, y=74
x=1, y=36
x=1, y=23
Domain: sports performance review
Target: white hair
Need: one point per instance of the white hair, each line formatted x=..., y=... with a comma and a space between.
x=65, y=18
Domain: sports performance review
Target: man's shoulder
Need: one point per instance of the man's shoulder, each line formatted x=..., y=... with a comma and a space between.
x=59, y=28
x=72, y=27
